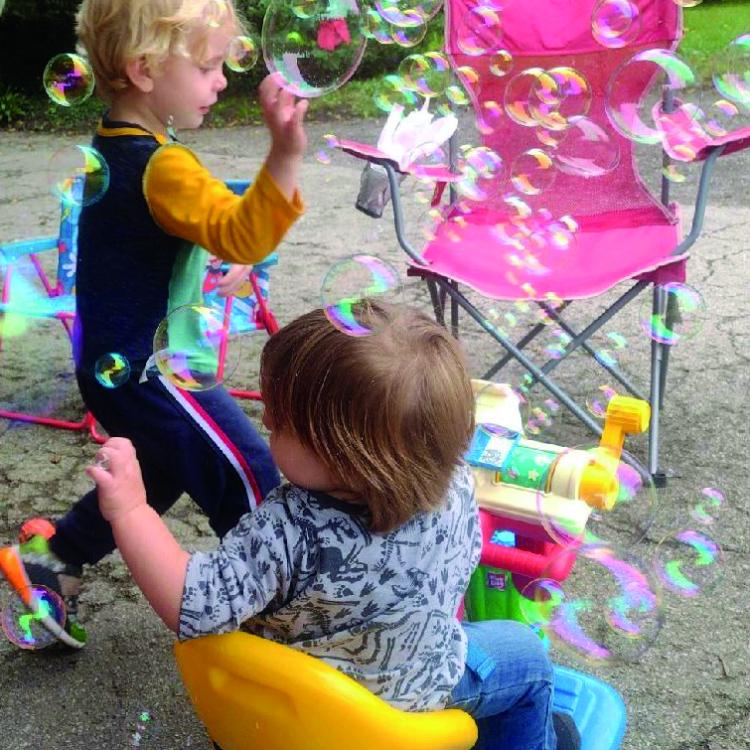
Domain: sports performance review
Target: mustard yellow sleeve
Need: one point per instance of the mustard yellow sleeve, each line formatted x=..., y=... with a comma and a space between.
x=187, y=201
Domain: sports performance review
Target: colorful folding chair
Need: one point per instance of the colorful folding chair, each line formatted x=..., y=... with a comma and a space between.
x=624, y=233
x=29, y=292
x=42, y=297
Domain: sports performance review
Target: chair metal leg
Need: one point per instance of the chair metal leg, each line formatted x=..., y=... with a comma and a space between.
x=454, y=313
x=435, y=297
x=657, y=366
x=560, y=394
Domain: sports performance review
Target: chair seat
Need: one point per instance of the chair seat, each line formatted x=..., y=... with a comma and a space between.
x=250, y=693
x=41, y=307
x=473, y=249
x=597, y=708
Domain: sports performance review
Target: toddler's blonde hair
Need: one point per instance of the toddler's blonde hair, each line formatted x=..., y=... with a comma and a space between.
x=112, y=32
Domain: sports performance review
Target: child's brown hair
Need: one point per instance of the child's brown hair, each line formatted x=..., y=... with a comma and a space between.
x=389, y=414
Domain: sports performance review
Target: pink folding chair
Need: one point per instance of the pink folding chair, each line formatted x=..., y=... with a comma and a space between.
x=624, y=233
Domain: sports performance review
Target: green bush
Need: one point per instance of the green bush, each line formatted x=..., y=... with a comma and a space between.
x=14, y=107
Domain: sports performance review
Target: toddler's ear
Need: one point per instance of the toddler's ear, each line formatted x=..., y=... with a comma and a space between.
x=139, y=75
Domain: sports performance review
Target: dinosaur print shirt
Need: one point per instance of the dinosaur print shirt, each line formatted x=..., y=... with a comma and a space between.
x=303, y=569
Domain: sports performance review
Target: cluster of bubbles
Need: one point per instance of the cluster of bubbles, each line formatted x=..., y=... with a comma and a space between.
x=611, y=606
x=558, y=104
x=602, y=597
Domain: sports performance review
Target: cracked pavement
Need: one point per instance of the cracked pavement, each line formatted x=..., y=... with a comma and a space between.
x=691, y=691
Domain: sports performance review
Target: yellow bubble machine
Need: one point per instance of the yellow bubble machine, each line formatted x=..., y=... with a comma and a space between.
x=525, y=488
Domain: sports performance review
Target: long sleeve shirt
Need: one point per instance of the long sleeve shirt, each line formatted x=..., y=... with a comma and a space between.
x=303, y=569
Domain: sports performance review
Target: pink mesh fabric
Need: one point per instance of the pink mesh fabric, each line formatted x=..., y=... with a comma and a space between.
x=624, y=230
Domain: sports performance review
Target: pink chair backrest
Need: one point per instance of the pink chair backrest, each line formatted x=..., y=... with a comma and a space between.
x=553, y=33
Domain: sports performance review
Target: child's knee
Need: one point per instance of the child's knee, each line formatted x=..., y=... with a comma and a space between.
x=514, y=646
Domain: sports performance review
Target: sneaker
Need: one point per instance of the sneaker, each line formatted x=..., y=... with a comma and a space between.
x=32, y=562
x=568, y=736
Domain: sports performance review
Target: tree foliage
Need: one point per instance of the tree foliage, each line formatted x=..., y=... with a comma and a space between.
x=33, y=31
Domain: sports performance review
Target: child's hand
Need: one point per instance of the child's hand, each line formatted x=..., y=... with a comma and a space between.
x=117, y=474
x=233, y=280
x=284, y=116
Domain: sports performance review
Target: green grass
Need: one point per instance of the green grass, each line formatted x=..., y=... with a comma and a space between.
x=356, y=99
x=709, y=27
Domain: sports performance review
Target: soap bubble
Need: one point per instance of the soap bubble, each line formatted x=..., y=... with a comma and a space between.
x=721, y=117
x=684, y=311
x=588, y=150
x=193, y=350
x=408, y=12
x=610, y=610
x=392, y=90
x=731, y=68
x=327, y=149
x=591, y=495
x=555, y=349
x=557, y=95
x=501, y=63
x=22, y=622
x=112, y=370
x=408, y=36
x=532, y=172
x=427, y=74
x=316, y=54
x=540, y=600
x=688, y=562
x=633, y=111
x=597, y=404
x=615, y=23
x=243, y=54
x=709, y=505
x=78, y=175
x=517, y=95
x=215, y=13
x=478, y=30
x=481, y=172
x=490, y=117
x=349, y=282
x=68, y=79
x=673, y=173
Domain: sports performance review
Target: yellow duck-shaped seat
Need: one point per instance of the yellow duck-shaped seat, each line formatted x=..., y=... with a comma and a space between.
x=252, y=693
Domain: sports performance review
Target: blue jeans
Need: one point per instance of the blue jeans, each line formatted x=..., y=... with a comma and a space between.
x=507, y=687
x=201, y=443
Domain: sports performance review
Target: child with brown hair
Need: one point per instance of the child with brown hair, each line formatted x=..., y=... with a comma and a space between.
x=363, y=557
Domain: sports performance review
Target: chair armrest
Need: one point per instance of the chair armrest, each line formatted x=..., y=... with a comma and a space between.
x=731, y=142
x=11, y=251
x=701, y=199
x=437, y=172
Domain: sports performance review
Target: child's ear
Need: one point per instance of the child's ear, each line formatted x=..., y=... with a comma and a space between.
x=139, y=75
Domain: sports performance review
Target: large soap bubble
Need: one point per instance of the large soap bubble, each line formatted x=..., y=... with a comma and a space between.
x=637, y=88
x=609, y=609
x=194, y=350
x=732, y=71
x=68, y=79
x=315, y=48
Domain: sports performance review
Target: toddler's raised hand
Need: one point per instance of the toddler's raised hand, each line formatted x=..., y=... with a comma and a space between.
x=284, y=116
x=117, y=474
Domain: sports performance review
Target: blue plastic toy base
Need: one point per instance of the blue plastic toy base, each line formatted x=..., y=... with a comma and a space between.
x=597, y=708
